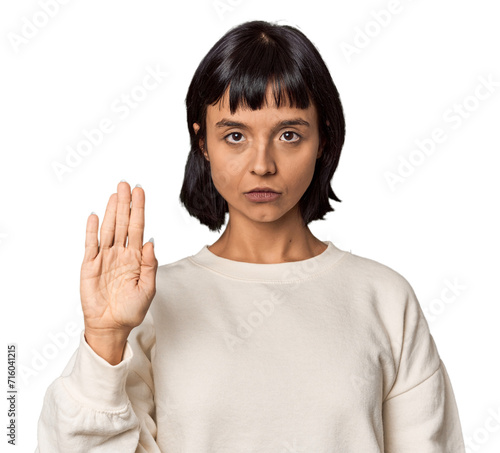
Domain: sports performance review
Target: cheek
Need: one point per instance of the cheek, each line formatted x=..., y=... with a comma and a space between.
x=226, y=174
x=300, y=172
x=301, y=179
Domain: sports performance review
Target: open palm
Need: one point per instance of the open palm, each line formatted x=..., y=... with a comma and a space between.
x=117, y=280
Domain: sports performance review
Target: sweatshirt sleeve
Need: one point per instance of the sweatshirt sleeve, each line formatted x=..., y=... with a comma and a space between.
x=98, y=407
x=420, y=412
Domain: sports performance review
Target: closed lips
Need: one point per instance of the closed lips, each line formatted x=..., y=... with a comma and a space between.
x=263, y=189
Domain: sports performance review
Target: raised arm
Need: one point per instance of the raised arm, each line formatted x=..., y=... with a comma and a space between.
x=104, y=399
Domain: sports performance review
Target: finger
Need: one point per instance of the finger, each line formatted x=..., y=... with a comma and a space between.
x=91, y=244
x=136, y=224
x=108, y=223
x=122, y=213
x=149, y=265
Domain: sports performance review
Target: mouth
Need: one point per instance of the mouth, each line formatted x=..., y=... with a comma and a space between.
x=262, y=196
x=263, y=190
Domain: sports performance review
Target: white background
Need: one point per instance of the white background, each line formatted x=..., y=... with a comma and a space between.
x=404, y=79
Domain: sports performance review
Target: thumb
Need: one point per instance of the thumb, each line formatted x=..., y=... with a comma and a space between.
x=149, y=265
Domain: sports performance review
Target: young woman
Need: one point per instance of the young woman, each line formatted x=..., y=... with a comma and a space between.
x=270, y=339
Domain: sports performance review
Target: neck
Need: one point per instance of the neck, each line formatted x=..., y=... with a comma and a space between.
x=284, y=240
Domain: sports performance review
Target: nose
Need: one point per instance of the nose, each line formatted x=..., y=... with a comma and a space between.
x=262, y=160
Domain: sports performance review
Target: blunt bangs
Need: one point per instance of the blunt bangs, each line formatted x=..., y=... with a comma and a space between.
x=248, y=74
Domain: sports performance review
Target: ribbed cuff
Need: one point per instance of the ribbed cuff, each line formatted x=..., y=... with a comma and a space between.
x=96, y=383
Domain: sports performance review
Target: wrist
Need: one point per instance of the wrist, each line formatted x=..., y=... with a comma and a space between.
x=108, y=345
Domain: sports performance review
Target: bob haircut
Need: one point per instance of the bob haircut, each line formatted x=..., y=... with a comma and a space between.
x=247, y=58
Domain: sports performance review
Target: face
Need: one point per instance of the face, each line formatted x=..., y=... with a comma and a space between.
x=271, y=147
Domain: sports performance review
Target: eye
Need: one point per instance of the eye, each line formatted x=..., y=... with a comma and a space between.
x=289, y=135
x=236, y=137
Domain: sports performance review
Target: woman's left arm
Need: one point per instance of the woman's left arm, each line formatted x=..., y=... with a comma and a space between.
x=420, y=412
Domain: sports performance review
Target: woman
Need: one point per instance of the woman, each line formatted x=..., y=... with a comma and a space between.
x=269, y=339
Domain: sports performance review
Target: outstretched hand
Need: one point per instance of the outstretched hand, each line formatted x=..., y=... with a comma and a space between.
x=117, y=280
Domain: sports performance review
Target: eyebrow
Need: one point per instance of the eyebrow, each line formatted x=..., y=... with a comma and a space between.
x=291, y=122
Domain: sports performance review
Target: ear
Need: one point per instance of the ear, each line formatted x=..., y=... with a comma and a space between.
x=322, y=143
x=201, y=144
x=321, y=147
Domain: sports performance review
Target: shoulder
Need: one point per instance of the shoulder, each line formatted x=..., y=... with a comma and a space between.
x=178, y=274
x=386, y=297
x=375, y=273
x=379, y=283
x=177, y=267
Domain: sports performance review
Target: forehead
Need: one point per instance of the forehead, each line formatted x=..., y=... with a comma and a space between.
x=269, y=108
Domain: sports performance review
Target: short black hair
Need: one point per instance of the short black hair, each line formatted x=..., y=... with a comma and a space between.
x=247, y=58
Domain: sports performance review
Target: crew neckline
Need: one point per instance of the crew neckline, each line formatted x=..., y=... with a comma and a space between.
x=283, y=272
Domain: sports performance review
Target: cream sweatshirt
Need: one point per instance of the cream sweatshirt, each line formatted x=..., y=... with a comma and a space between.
x=328, y=354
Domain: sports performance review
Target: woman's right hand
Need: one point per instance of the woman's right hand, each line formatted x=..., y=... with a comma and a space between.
x=117, y=280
